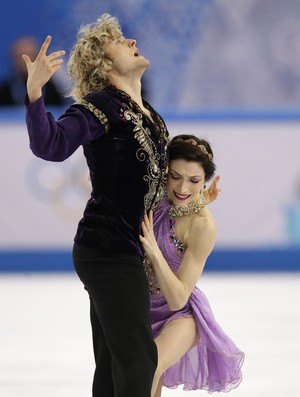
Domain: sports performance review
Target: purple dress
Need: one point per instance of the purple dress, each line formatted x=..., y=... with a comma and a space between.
x=215, y=363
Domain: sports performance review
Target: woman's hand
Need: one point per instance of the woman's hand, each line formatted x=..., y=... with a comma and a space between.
x=148, y=238
x=212, y=192
x=41, y=69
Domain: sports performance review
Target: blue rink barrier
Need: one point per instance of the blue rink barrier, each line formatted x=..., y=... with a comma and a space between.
x=221, y=260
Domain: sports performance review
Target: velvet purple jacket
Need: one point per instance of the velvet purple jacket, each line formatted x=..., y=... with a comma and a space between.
x=126, y=155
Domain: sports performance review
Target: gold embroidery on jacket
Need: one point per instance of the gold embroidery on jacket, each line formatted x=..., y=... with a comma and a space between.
x=155, y=177
x=97, y=112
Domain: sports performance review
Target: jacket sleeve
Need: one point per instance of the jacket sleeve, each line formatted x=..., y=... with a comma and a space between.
x=56, y=140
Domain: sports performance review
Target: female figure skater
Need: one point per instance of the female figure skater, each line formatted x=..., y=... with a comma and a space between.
x=193, y=350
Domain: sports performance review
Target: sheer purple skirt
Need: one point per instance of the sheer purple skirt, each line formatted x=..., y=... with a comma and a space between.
x=215, y=363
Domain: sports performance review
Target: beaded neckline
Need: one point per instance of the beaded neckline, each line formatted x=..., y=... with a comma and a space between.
x=178, y=211
x=191, y=208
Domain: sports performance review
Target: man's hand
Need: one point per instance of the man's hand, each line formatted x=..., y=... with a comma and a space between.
x=41, y=69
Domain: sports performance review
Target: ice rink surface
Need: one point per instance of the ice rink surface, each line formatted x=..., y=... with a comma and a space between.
x=45, y=338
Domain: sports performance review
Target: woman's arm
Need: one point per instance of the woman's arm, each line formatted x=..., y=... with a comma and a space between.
x=200, y=239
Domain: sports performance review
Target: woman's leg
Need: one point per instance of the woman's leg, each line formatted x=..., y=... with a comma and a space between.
x=175, y=339
x=159, y=387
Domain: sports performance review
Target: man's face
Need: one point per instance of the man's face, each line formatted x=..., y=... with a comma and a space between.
x=125, y=56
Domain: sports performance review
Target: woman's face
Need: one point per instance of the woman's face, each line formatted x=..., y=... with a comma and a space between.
x=185, y=180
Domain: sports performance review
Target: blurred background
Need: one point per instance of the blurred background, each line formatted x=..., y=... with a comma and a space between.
x=225, y=70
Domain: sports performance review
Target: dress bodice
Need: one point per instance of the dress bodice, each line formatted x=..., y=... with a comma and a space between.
x=171, y=247
x=164, y=229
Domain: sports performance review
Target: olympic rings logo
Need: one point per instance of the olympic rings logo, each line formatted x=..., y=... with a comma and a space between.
x=65, y=187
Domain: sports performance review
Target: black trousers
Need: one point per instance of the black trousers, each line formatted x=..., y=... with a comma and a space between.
x=124, y=349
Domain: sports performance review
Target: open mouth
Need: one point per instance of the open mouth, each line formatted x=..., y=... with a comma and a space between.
x=136, y=54
x=181, y=197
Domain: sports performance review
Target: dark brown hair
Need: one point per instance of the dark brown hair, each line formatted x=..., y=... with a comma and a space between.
x=191, y=148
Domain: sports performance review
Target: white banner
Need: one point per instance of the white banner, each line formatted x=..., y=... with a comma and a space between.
x=259, y=162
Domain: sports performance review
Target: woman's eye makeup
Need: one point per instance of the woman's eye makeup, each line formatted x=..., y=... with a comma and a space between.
x=173, y=176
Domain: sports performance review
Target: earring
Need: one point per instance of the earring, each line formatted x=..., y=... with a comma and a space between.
x=202, y=198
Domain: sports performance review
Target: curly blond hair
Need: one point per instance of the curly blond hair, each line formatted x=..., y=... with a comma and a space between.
x=87, y=61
